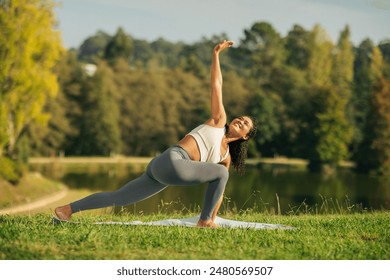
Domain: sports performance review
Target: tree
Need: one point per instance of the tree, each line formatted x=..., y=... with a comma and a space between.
x=99, y=132
x=320, y=58
x=93, y=47
x=142, y=53
x=374, y=150
x=167, y=53
x=235, y=94
x=297, y=47
x=329, y=83
x=142, y=120
x=337, y=127
x=362, y=92
x=64, y=109
x=29, y=49
x=342, y=76
x=263, y=52
x=333, y=132
x=384, y=46
x=51, y=139
x=380, y=124
x=193, y=65
x=264, y=47
x=342, y=67
x=120, y=46
x=293, y=111
x=313, y=94
x=266, y=107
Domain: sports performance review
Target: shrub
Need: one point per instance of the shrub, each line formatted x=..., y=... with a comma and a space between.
x=8, y=170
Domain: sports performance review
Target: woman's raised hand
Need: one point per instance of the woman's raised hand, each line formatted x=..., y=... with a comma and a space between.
x=223, y=45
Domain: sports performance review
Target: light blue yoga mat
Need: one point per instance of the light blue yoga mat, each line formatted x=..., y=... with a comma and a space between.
x=192, y=221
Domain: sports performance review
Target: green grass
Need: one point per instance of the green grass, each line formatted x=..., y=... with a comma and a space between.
x=359, y=236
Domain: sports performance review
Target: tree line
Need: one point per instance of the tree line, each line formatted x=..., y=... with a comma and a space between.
x=315, y=99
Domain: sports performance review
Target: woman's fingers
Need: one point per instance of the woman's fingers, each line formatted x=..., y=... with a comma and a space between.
x=223, y=45
x=229, y=43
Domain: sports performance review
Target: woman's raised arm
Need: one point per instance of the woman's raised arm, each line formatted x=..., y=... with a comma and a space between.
x=218, y=114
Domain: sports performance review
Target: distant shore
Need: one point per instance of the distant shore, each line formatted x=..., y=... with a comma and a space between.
x=145, y=160
x=118, y=159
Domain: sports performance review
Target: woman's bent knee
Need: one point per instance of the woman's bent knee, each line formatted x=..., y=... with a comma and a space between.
x=222, y=172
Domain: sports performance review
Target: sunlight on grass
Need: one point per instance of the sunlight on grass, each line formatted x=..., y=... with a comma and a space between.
x=352, y=236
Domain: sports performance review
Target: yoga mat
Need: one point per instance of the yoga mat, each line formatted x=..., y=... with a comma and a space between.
x=191, y=222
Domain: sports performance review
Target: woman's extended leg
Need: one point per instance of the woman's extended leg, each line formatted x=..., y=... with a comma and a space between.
x=134, y=191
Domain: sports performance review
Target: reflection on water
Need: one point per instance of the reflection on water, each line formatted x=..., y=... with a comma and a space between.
x=267, y=188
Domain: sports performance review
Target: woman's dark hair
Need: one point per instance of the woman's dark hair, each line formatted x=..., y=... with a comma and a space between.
x=239, y=149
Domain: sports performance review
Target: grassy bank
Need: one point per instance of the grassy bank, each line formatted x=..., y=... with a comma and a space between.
x=31, y=186
x=352, y=236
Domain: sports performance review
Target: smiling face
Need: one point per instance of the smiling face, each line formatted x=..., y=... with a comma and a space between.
x=240, y=127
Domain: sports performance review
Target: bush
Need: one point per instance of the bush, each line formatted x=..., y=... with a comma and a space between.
x=8, y=170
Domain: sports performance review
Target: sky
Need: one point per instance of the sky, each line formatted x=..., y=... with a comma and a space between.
x=190, y=20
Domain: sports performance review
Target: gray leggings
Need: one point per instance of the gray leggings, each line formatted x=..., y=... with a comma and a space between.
x=173, y=167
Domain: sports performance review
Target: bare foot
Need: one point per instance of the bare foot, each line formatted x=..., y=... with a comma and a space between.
x=207, y=224
x=64, y=212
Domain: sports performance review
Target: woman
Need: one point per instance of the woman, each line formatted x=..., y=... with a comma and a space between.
x=203, y=155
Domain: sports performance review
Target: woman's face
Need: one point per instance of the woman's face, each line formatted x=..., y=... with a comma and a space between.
x=240, y=127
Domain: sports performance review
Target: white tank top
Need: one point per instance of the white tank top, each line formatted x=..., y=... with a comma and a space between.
x=209, y=140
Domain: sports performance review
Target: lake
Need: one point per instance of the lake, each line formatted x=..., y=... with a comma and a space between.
x=271, y=188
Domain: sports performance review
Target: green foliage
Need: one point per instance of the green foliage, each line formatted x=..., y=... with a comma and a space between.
x=173, y=101
x=193, y=65
x=330, y=77
x=380, y=121
x=99, y=132
x=8, y=170
x=52, y=139
x=264, y=107
x=333, y=131
x=297, y=47
x=93, y=47
x=265, y=49
x=29, y=48
x=119, y=46
x=342, y=66
x=320, y=58
x=384, y=46
x=314, y=99
x=166, y=53
x=235, y=94
x=362, y=90
x=374, y=152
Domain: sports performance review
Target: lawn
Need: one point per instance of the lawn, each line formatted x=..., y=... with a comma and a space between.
x=358, y=236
